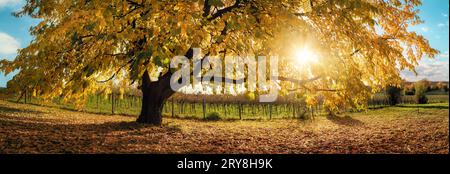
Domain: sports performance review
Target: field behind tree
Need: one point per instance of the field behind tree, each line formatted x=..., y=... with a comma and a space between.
x=200, y=106
x=403, y=129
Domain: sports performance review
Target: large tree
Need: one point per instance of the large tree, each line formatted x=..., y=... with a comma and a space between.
x=360, y=45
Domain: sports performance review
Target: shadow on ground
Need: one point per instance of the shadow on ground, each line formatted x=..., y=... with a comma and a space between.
x=18, y=136
x=14, y=110
x=345, y=120
x=423, y=107
x=107, y=127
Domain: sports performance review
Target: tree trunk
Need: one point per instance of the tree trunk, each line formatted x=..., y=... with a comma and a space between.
x=154, y=95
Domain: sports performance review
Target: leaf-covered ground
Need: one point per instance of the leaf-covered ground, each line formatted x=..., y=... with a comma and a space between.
x=407, y=129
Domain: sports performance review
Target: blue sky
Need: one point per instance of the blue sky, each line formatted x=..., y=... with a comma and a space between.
x=435, y=29
x=14, y=35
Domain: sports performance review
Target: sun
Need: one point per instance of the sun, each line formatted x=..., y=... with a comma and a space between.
x=304, y=55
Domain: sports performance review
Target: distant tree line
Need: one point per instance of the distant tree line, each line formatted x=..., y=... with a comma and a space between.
x=419, y=89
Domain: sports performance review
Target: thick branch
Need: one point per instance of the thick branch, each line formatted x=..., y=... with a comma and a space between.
x=206, y=8
x=315, y=89
x=115, y=74
x=355, y=52
x=134, y=3
x=243, y=80
x=303, y=86
x=296, y=81
x=221, y=12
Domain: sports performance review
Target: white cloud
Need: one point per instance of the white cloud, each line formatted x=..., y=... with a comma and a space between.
x=425, y=29
x=9, y=3
x=443, y=24
x=434, y=71
x=444, y=55
x=444, y=14
x=8, y=44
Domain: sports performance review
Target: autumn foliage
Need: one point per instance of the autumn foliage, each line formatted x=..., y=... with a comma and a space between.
x=361, y=45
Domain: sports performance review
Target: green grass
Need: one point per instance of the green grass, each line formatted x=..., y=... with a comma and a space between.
x=132, y=105
x=427, y=106
x=437, y=92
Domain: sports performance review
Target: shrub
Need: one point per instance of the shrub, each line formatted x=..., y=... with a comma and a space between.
x=410, y=92
x=421, y=88
x=394, y=94
x=421, y=99
x=213, y=116
x=302, y=113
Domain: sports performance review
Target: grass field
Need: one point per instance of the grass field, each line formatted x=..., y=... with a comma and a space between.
x=227, y=110
x=403, y=129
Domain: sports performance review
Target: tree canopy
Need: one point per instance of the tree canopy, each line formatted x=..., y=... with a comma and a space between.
x=360, y=45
